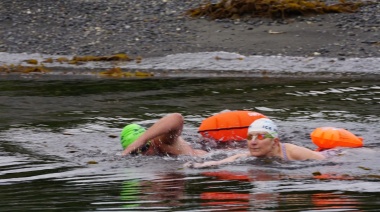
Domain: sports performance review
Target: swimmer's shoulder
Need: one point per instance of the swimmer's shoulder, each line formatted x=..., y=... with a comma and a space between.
x=296, y=152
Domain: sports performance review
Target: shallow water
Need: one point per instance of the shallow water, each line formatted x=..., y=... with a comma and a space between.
x=59, y=145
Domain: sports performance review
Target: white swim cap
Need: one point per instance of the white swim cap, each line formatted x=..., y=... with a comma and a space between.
x=264, y=125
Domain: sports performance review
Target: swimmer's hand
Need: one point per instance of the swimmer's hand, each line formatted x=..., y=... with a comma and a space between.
x=192, y=164
x=195, y=165
x=126, y=152
x=129, y=150
x=215, y=163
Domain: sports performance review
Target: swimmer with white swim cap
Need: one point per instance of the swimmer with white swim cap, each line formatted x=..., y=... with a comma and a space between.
x=263, y=141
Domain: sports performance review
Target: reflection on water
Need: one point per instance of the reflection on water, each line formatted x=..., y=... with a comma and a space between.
x=232, y=191
x=59, y=145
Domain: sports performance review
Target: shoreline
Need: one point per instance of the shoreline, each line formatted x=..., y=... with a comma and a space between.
x=203, y=64
x=173, y=45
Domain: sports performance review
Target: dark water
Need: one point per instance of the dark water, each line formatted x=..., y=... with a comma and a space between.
x=59, y=146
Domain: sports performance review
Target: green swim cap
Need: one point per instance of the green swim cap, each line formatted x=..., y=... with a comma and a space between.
x=130, y=133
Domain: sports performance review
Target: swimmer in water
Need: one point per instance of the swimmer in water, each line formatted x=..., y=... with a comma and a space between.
x=263, y=141
x=162, y=138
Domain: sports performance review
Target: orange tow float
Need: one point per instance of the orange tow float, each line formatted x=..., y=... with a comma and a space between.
x=330, y=137
x=228, y=126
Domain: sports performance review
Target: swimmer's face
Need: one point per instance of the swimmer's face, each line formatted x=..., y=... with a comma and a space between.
x=260, y=144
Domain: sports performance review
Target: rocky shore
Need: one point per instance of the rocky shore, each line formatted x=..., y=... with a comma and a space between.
x=159, y=27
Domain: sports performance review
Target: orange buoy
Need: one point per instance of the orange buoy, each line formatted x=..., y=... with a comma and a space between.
x=330, y=137
x=228, y=126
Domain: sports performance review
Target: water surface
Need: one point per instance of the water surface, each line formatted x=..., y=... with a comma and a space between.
x=59, y=145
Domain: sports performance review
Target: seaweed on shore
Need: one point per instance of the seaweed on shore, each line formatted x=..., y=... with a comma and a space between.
x=33, y=66
x=23, y=69
x=89, y=58
x=118, y=73
x=274, y=9
x=116, y=57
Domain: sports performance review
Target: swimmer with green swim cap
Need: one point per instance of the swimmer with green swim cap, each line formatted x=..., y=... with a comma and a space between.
x=129, y=134
x=163, y=138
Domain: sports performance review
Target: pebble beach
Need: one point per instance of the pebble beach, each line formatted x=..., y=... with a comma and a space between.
x=157, y=28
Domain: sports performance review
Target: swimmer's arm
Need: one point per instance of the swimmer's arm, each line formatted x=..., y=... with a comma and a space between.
x=302, y=153
x=168, y=128
x=316, y=156
x=215, y=163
